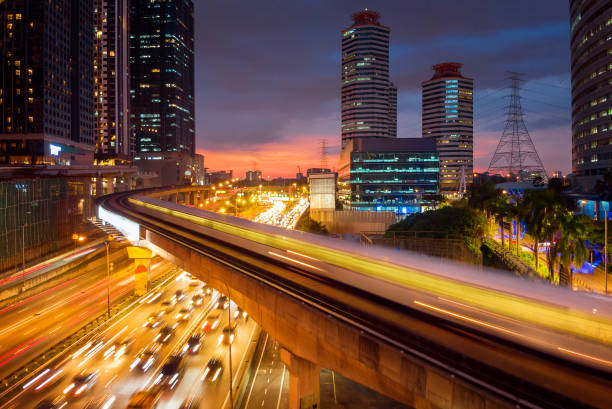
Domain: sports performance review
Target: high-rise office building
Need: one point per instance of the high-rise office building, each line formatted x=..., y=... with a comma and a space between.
x=448, y=116
x=46, y=82
x=162, y=76
x=369, y=99
x=111, y=91
x=591, y=56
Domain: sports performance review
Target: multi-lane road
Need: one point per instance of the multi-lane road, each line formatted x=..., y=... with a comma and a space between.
x=118, y=374
x=34, y=324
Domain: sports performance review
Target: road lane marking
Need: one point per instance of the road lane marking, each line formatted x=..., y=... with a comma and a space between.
x=280, y=392
x=263, y=351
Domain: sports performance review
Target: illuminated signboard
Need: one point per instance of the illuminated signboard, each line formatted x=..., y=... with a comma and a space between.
x=55, y=149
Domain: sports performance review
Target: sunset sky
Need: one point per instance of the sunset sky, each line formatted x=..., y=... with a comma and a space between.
x=268, y=74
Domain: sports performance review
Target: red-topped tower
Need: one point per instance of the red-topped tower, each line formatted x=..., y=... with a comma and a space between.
x=366, y=18
x=369, y=99
x=448, y=116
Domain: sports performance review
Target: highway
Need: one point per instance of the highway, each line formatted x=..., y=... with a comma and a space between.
x=512, y=338
x=49, y=265
x=31, y=326
x=118, y=373
x=268, y=387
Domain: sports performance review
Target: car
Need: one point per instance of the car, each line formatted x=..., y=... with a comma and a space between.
x=194, y=282
x=183, y=315
x=46, y=404
x=168, y=306
x=197, y=300
x=193, y=344
x=102, y=402
x=165, y=334
x=81, y=384
x=144, y=399
x=214, y=369
x=190, y=403
x=94, y=344
x=207, y=290
x=179, y=295
x=154, y=320
x=119, y=348
x=223, y=303
x=211, y=322
x=146, y=359
x=239, y=313
x=171, y=372
x=228, y=335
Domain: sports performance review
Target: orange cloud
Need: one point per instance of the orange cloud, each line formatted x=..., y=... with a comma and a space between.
x=273, y=159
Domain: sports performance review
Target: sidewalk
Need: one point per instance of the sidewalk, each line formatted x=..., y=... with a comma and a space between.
x=595, y=282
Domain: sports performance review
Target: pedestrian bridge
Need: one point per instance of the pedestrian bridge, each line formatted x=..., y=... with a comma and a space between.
x=426, y=332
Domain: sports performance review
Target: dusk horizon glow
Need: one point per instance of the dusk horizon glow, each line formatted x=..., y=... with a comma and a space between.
x=268, y=76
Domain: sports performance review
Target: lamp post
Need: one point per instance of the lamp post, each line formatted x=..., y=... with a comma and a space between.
x=606, y=250
x=107, y=244
x=229, y=322
x=23, y=247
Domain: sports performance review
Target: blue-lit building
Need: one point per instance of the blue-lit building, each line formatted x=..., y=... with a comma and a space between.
x=385, y=174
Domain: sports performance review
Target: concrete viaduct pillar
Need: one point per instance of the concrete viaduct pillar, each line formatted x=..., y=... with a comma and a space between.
x=304, y=385
x=99, y=186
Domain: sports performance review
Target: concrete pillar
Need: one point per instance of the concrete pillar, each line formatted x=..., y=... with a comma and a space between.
x=304, y=386
x=99, y=188
x=87, y=204
x=191, y=198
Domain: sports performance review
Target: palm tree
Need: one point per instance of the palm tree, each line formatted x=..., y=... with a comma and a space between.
x=501, y=208
x=572, y=243
x=482, y=196
x=536, y=206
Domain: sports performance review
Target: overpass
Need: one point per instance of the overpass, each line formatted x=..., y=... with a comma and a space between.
x=428, y=333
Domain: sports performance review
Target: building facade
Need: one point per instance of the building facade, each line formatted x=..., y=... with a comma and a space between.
x=162, y=76
x=111, y=81
x=395, y=175
x=369, y=99
x=322, y=188
x=254, y=176
x=46, y=82
x=591, y=57
x=448, y=118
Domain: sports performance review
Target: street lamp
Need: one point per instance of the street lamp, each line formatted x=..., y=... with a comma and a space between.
x=229, y=323
x=107, y=244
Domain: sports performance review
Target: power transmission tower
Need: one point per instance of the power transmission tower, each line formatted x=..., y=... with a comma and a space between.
x=462, y=188
x=516, y=154
x=323, y=151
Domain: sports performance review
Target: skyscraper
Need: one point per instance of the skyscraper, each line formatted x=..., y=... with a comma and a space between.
x=448, y=117
x=369, y=99
x=162, y=76
x=46, y=82
x=591, y=56
x=111, y=91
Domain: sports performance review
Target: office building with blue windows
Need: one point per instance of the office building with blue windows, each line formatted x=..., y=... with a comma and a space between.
x=388, y=174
